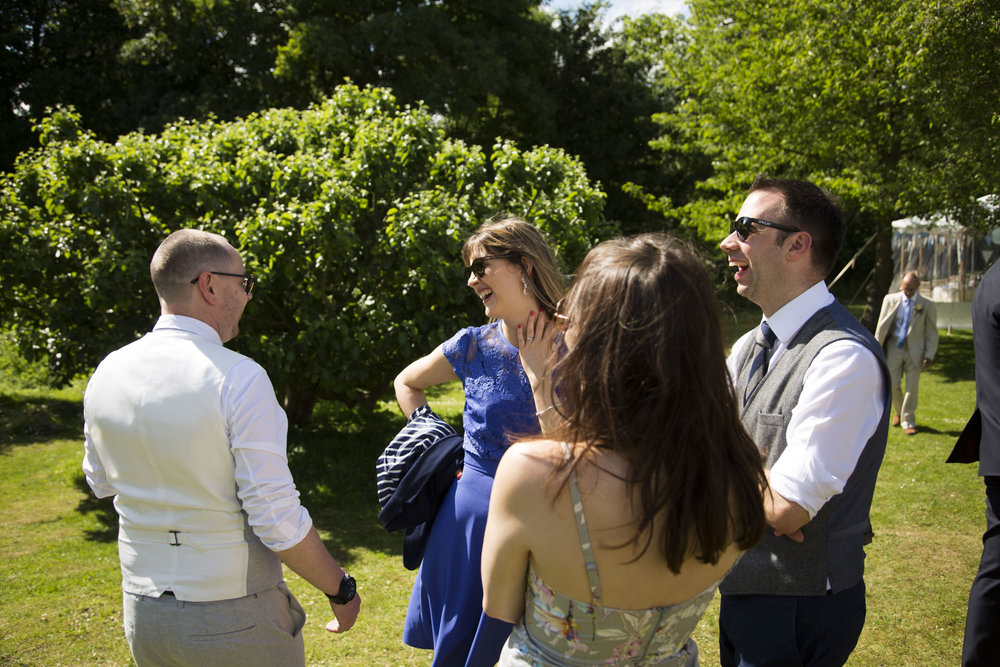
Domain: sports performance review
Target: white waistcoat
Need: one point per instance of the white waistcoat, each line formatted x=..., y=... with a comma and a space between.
x=155, y=417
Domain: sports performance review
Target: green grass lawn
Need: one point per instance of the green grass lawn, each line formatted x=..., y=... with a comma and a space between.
x=60, y=597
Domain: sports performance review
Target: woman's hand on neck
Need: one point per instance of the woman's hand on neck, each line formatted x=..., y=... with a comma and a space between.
x=509, y=325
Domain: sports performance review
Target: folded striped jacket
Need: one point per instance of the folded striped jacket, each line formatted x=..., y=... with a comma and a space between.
x=414, y=473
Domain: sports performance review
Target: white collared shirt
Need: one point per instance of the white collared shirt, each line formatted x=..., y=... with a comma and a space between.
x=838, y=410
x=257, y=430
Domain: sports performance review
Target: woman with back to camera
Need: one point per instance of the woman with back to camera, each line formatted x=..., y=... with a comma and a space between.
x=513, y=271
x=606, y=541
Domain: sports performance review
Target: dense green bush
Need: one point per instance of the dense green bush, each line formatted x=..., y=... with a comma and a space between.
x=15, y=372
x=352, y=213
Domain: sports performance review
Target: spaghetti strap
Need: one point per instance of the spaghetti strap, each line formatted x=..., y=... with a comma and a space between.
x=588, y=551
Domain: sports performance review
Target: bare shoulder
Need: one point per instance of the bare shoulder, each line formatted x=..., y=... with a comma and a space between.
x=533, y=457
x=527, y=465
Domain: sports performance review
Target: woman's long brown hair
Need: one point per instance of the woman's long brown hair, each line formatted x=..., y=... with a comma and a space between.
x=645, y=375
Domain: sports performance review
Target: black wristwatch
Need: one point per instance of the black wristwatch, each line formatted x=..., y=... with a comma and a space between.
x=348, y=589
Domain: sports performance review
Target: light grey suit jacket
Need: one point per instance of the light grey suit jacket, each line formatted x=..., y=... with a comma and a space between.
x=922, y=333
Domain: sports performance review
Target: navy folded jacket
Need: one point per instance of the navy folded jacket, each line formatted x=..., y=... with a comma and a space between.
x=414, y=473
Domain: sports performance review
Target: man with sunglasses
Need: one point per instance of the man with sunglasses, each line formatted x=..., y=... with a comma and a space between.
x=814, y=390
x=189, y=438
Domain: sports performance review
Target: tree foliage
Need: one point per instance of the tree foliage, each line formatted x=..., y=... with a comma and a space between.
x=467, y=58
x=57, y=52
x=352, y=212
x=489, y=69
x=195, y=59
x=656, y=44
x=603, y=94
x=892, y=105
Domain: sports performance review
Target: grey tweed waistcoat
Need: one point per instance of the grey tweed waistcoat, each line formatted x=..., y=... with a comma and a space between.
x=833, y=549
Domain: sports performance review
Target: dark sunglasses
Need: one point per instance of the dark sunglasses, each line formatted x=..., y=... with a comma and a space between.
x=743, y=229
x=249, y=280
x=478, y=265
x=562, y=321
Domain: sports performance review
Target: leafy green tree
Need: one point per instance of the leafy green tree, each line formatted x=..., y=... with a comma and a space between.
x=352, y=212
x=474, y=61
x=489, y=69
x=890, y=104
x=57, y=52
x=668, y=171
x=195, y=59
x=602, y=97
x=134, y=64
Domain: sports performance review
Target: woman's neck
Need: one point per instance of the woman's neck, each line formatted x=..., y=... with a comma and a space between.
x=508, y=325
x=509, y=330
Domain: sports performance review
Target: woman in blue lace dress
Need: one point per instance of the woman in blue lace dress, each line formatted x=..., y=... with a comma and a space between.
x=606, y=541
x=513, y=272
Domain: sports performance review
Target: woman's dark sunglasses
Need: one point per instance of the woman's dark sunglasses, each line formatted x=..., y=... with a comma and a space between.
x=743, y=229
x=478, y=265
x=249, y=280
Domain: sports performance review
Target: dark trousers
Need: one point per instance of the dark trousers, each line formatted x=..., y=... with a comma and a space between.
x=982, y=624
x=790, y=630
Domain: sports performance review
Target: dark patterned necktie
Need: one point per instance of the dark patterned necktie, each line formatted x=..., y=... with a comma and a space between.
x=764, y=339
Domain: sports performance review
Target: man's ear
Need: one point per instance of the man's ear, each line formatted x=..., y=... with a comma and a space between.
x=206, y=288
x=799, y=247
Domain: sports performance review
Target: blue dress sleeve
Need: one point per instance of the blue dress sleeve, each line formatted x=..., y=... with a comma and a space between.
x=499, y=405
x=459, y=350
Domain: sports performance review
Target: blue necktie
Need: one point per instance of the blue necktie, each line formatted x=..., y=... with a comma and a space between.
x=764, y=339
x=906, y=324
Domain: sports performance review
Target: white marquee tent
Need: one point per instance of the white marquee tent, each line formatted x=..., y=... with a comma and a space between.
x=949, y=259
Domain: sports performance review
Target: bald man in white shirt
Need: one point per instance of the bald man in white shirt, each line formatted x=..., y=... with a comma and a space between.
x=190, y=440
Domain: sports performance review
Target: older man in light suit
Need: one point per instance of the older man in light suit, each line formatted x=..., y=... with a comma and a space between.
x=907, y=331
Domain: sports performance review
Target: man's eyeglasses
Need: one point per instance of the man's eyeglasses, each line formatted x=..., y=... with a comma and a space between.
x=478, y=265
x=249, y=280
x=562, y=321
x=743, y=229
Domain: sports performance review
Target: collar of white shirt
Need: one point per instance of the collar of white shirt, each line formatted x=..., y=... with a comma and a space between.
x=188, y=324
x=789, y=319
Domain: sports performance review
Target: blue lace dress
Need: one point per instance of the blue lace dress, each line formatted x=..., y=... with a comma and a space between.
x=446, y=607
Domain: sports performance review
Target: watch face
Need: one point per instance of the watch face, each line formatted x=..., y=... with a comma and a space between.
x=346, y=592
x=348, y=588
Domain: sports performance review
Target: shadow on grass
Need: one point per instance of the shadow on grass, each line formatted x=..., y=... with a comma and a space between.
x=103, y=510
x=28, y=420
x=955, y=361
x=333, y=463
x=738, y=320
x=930, y=430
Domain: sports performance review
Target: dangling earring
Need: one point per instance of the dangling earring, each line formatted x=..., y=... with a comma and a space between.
x=524, y=286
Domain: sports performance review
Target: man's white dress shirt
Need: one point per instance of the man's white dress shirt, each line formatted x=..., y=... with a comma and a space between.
x=838, y=410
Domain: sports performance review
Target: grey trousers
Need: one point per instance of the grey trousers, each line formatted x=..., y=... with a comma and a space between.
x=904, y=401
x=260, y=629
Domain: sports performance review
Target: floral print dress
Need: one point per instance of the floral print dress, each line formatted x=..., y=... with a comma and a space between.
x=558, y=630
